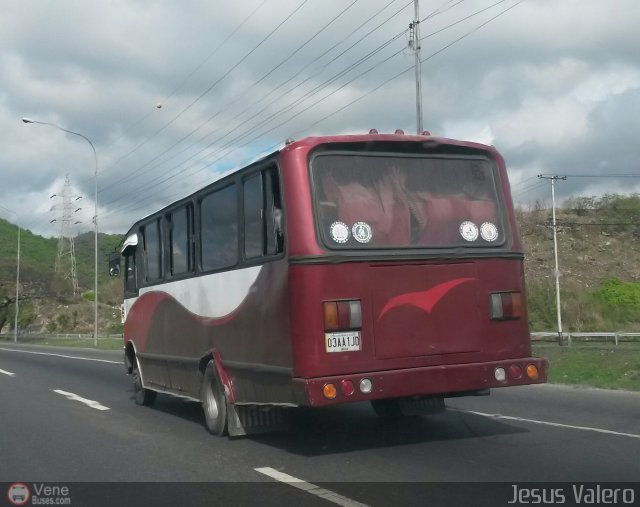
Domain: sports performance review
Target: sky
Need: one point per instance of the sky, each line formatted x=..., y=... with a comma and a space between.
x=171, y=94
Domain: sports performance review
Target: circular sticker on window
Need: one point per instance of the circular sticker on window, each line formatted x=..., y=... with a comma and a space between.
x=469, y=231
x=361, y=232
x=339, y=232
x=489, y=231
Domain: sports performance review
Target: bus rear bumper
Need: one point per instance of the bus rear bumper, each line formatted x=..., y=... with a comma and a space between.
x=442, y=380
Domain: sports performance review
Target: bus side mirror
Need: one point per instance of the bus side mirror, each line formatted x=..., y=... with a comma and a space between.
x=114, y=264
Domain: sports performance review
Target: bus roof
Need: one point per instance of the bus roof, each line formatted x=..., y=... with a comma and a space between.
x=311, y=142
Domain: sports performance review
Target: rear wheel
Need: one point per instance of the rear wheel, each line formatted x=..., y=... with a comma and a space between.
x=214, y=402
x=141, y=395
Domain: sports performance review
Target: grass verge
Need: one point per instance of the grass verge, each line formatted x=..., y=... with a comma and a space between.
x=103, y=343
x=595, y=365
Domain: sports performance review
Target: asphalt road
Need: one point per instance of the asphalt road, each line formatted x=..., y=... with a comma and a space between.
x=73, y=420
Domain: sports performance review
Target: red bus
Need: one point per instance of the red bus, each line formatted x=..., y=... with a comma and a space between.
x=381, y=268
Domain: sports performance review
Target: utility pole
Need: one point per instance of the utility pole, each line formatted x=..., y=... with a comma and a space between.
x=555, y=249
x=66, y=246
x=17, y=305
x=95, y=218
x=414, y=44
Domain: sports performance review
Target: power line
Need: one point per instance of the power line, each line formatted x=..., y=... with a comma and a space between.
x=211, y=87
x=241, y=96
x=529, y=188
x=326, y=83
x=627, y=175
x=272, y=116
x=368, y=93
x=311, y=62
x=463, y=19
x=411, y=68
x=185, y=80
x=210, y=55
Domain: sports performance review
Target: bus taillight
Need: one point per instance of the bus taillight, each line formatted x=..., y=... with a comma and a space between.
x=506, y=305
x=342, y=315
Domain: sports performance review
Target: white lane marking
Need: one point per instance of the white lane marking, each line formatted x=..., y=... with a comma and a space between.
x=7, y=373
x=309, y=488
x=75, y=397
x=548, y=423
x=61, y=355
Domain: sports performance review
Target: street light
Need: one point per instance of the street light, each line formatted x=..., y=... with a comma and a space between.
x=15, y=323
x=95, y=221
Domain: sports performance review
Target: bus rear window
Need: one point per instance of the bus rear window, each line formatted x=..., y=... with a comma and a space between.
x=386, y=201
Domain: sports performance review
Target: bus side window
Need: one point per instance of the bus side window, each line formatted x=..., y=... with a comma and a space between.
x=253, y=213
x=130, y=275
x=274, y=216
x=152, y=251
x=219, y=228
x=180, y=240
x=263, y=234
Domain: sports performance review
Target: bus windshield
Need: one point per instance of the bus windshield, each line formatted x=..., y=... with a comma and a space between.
x=392, y=201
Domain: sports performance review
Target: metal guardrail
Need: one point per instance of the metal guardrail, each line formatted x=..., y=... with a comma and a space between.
x=541, y=336
x=568, y=338
x=59, y=336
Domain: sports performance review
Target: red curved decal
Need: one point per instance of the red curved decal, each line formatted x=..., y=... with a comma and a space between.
x=424, y=300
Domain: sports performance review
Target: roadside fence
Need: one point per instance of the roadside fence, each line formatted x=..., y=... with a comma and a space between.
x=597, y=337
x=28, y=337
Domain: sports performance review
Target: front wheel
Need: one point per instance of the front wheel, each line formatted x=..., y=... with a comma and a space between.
x=141, y=395
x=214, y=402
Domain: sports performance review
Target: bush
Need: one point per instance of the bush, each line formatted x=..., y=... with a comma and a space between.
x=621, y=300
x=616, y=293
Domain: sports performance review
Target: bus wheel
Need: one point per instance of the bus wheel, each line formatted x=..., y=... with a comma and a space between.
x=387, y=408
x=141, y=395
x=214, y=402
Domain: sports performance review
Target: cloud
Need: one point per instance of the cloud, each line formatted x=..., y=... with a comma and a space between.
x=552, y=83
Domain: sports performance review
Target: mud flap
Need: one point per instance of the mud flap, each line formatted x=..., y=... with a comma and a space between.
x=255, y=419
x=421, y=406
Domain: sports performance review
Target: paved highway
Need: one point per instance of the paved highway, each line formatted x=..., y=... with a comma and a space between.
x=68, y=416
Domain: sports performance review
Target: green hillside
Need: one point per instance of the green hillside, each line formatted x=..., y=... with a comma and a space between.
x=598, y=247
x=46, y=298
x=599, y=259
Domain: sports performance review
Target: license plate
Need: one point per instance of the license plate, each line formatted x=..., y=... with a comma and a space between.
x=342, y=342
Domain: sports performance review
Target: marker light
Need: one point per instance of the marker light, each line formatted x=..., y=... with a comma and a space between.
x=500, y=374
x=329, y=391
x=366, y=386
x=532, y=371
x=346, y=386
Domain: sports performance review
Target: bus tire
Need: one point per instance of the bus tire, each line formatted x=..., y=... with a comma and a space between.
x=214, y=402
x=386, y=408
x=141, y=395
